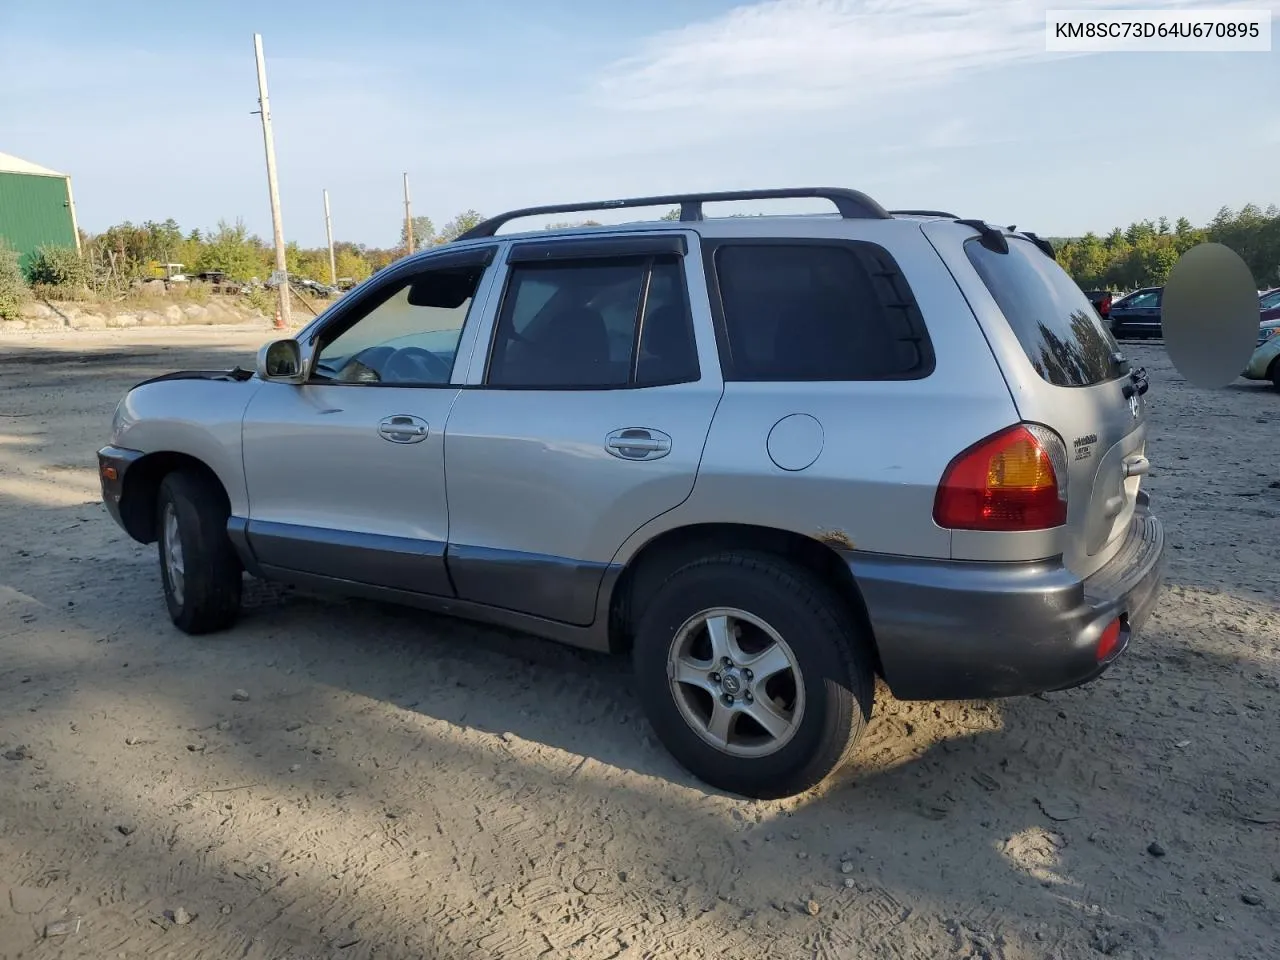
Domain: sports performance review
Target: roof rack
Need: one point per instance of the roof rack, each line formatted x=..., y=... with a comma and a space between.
x=851, y=204
x=993, y=238
x=923, y=213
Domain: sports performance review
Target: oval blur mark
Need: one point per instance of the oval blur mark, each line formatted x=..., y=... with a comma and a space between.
x=1210, y=315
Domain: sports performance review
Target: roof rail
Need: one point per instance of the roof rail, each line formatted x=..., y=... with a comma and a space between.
x=923, y=213
x=851, y=204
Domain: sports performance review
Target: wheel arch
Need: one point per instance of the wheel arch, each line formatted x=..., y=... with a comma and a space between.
x=141, y=489
x=666, y=552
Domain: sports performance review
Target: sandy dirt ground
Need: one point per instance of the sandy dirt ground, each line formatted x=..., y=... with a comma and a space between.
x=339, y=779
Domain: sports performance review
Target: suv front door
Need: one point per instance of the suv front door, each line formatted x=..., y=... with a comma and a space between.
x=585, y=420
x=345, y=472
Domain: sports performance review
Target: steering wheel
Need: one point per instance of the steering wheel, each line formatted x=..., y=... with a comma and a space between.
x=366, y=366
x=416, y=363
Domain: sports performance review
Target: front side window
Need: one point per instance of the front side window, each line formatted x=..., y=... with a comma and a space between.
x=409, y=337
x=594, y=323
x=818, y=312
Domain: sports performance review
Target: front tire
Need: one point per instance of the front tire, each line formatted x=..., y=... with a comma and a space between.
x=752, y=675
x=199, y=569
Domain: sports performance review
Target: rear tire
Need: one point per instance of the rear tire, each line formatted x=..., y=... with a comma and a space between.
x=1274, y=373
x=199, y=568
x=812, y=684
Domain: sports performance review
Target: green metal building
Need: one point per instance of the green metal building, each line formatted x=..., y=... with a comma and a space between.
x=36, y=208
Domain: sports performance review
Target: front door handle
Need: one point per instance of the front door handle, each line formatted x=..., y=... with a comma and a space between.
x=638, y=443
x=403, y=428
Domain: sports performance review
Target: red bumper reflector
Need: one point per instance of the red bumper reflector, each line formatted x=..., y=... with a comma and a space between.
x=1109, y=640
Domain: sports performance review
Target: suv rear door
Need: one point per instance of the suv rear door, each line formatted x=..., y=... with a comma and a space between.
x=1065, y=371
x=584, y=419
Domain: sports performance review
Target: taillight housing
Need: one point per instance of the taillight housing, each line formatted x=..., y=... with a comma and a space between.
x=1013, y=480
x=1105, y=308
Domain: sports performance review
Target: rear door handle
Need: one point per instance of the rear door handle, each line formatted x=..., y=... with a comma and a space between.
x=403, y=428
x=638, y=443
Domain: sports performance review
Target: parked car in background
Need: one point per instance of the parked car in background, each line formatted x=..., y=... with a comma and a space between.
x=1265, y=362
x=1269, y=305
x=1101, y=300
x=306, y=284
x=314, y=287
x=1137, y=314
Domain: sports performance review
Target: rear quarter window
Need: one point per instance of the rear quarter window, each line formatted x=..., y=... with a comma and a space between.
x=1060, y=332
x=801, y=310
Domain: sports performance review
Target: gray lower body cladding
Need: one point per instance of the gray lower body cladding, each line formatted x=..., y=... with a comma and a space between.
x=957, y=630
x=945, y=630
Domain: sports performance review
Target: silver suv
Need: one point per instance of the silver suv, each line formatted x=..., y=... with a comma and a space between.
x=772, y=458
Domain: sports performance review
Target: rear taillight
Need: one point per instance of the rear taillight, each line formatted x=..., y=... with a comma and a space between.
x=1013, y=480
x=1106, y=306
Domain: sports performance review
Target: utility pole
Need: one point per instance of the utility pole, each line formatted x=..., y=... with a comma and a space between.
x=328, y=232
x=277, y=227
x=408, y=217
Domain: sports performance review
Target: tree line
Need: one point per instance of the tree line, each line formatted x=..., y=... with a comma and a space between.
x=112, y=261
x=1142, y=254
x=139, y=251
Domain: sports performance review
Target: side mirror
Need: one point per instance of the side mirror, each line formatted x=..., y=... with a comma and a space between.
x=281, y=361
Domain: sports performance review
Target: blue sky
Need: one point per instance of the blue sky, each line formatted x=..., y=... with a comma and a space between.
x=495, y=104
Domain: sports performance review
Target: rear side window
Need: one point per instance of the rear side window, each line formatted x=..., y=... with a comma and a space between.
x=598, y=323
x=806, y=311
x=1146, y=300
x=1059, y=330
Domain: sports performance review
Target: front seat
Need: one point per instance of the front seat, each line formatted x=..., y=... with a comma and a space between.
x=572, y=350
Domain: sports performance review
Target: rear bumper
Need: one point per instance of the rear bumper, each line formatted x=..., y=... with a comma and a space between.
x=956, y=630
x=113, y=463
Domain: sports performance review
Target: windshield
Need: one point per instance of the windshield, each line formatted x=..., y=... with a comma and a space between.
x=1060, y=332
x=1270, y=300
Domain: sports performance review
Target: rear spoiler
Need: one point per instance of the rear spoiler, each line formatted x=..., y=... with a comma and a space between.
x=993, y=238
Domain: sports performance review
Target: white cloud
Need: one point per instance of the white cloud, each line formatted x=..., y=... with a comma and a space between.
x=802, y=55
